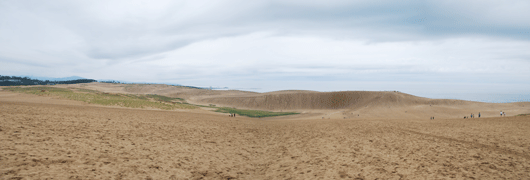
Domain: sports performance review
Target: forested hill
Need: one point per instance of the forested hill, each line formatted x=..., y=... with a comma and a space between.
x=14, y=81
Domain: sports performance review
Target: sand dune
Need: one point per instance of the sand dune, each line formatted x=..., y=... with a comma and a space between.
x=325, y=100
x=45, y=138
x=369, y=104
x=318, y=105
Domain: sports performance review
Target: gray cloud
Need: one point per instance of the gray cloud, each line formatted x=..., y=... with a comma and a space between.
x=268, y=40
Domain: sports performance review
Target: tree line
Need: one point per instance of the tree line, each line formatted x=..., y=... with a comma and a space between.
x=15, y=81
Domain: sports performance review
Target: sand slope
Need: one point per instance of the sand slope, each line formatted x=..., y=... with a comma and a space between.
x=326, y=100
x=369, y=104
x=69, y=140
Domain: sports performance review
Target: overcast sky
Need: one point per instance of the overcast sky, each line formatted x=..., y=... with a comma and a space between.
x=456, y=46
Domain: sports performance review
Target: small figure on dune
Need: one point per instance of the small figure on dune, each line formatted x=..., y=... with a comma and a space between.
x=501, y=113
x=479, y=114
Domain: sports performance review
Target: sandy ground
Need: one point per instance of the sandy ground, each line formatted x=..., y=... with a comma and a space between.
x=46, y=138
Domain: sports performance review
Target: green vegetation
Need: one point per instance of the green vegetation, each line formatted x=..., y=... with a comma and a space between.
x=163, y=98
x=16, y=81
x=200, y=105
x=523, y=115
x=96, y=97
x=133, y=101
x=253, y=113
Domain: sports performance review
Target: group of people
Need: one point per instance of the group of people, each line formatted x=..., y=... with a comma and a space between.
x=472, y=115
x=432, y=118
x=232, y=115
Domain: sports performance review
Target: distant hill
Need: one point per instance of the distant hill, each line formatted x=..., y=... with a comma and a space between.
x=128, y=82
x=15, y=81
x=55, y=79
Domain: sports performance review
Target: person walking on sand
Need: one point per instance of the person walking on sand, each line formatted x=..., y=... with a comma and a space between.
x=501, y=113
x=479, y=114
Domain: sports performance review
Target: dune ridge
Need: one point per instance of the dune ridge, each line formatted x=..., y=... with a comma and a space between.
x=313, y=104
x=329, y=100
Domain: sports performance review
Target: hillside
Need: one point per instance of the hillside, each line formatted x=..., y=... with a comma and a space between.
x=312, y=104
x=366, y=104
x=326, y=100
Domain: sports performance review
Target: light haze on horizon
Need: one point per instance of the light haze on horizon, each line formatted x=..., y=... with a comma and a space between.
x=417, y=47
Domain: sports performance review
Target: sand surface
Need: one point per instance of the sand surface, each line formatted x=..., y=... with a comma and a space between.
x=43, y=137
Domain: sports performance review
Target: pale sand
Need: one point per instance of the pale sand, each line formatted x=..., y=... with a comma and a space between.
x=42, y=137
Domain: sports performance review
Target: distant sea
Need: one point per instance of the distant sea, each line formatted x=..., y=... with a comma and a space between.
x=481, y=97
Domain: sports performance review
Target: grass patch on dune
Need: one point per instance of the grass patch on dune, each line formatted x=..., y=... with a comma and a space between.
x=523, y=115
x=108, y=99
x=163, y=98
x=253, y=113
x=133, y=100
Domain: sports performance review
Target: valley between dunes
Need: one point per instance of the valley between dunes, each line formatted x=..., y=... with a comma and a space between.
x=338, y=135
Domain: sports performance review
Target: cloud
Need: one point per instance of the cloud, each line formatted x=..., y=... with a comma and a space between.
x=268, y=55
x=281, y=40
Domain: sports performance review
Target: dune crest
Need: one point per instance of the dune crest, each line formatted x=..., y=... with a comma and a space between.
x=328, y=100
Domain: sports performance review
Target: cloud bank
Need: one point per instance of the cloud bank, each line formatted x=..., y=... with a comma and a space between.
x=412, y=46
